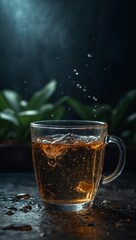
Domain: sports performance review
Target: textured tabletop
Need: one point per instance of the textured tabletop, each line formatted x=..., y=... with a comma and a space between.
x=23, y=216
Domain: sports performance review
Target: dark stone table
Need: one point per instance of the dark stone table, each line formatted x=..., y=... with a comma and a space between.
x=23, y=216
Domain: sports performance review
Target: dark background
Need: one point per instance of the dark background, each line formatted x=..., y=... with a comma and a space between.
x=88, y=46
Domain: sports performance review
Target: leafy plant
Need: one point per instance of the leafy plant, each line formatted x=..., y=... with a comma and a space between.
x=17, y=113
x=121, y=118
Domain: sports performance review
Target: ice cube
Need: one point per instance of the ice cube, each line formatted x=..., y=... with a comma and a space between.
x=83, y=187
x=53, y=151
x=68, y=138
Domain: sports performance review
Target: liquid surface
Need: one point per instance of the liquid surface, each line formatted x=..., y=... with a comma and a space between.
x=67, y=167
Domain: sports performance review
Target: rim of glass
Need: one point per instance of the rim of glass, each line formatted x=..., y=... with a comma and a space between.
x=68, y=124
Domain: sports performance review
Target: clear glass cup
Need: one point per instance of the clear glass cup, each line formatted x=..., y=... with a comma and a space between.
x=68, y=159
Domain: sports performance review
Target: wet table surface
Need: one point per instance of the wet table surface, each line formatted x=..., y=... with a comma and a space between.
x=23, y=216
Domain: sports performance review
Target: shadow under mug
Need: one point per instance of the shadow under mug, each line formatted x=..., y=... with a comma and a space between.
x=68, y=159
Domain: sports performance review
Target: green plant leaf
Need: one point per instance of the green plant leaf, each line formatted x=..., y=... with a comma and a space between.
x=10, y=99
x=81, y=109
x=25, y=118
x=122, y=109
x=99, y=112
x=41, y=96
x=56, y=113
x=3, y=103
x=8, y=119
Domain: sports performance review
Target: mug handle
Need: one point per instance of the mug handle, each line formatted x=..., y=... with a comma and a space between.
x=122, y=158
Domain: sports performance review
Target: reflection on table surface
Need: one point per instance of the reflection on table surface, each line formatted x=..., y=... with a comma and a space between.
x=23, y=216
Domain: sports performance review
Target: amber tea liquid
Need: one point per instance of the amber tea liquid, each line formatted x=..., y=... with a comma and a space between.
x=67, y=171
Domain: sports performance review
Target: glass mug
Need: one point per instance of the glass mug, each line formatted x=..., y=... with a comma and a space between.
x=68, y=158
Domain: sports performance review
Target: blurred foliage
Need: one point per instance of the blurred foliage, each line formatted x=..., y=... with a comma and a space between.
x=16, y=114
x=121, y=118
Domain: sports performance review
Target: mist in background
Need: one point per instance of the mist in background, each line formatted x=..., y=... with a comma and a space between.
x=85, y=45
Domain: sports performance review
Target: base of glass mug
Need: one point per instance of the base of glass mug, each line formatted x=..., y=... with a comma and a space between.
x=69, y=207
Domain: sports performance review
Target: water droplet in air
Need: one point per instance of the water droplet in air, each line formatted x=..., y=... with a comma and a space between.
x=89, y=55
x=79, y=86
x=76, y=72
x=94, y=98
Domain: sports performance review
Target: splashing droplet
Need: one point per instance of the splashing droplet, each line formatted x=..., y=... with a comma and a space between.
x=95, y=99
x=79, y=86
x=89, y=55
x=76, y=72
